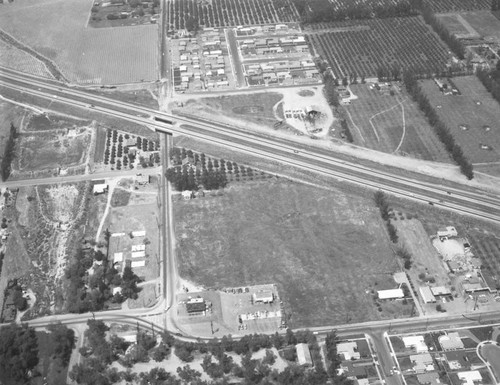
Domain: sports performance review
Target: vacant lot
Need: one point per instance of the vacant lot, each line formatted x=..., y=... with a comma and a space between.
x=392, y=124
x=51, y=151
x=86, y=56
x=472, y=117
x=314, y=244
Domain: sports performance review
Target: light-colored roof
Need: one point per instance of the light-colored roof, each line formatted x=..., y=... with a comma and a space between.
x=117, y=257
x=470, y=377
x=138, y=254
x=451, y=341
x=303, y=354
x=417, y=342
x=422, y=362
x=140, y=247
x=390, y=294
x=440, y=290
x=264, y=295
x=426, y=293
x=138, y=263
x=347, y=349
x=141, y=233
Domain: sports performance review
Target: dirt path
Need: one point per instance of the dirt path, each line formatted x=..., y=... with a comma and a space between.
x=404, y=127
x=112, y=183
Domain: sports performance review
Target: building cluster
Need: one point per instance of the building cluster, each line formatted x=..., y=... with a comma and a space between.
x=201, y=63
x=276, y=29
x=273, y=46
x=460, y=260
x=133, y=255
x=357, y=362
x=284, y=72
x=427, y=356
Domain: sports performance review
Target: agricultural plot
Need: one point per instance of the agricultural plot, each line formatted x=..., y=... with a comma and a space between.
x=86, y=56
x=440, y=6
x=182, y=14
x=380, y=43
x=484, y=22
x=472, y=117
x=281, y=232
x=392, y=124
x=13, y=57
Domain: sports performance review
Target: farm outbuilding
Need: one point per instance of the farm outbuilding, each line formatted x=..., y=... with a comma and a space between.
x=140, y=233
x=117, y=257
x=140, y=247
x=303, y=355
x=138, y=254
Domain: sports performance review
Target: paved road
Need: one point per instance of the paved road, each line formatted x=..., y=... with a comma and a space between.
x=235, y=57
x=479, y=204
x=78, y=178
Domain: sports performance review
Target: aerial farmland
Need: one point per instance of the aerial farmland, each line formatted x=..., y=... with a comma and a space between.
x=85, y=55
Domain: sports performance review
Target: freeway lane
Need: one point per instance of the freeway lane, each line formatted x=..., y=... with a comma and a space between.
x=479, y=204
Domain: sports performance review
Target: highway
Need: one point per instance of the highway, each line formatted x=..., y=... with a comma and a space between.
x=484, y=205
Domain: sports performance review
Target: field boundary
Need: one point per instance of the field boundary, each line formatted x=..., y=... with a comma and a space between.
x=49, y=64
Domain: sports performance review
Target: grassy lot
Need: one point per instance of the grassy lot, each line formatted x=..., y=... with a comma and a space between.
x=48, y=367
x=253, y=107
x=476, y=111
x=314, y=244
x=392, y=124
x=85, y=55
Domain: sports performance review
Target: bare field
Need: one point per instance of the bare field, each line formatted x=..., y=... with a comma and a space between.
x=392, y=124
x=50, y=150
x=473, y=118
x=314, y=244
x=85, y=55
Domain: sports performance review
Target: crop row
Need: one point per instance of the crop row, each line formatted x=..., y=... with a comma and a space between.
x=458, y=5
x=405, y=42
x=52, y=68
x=221, y=13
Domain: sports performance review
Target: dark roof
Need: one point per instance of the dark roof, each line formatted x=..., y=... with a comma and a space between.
x=196, y=307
